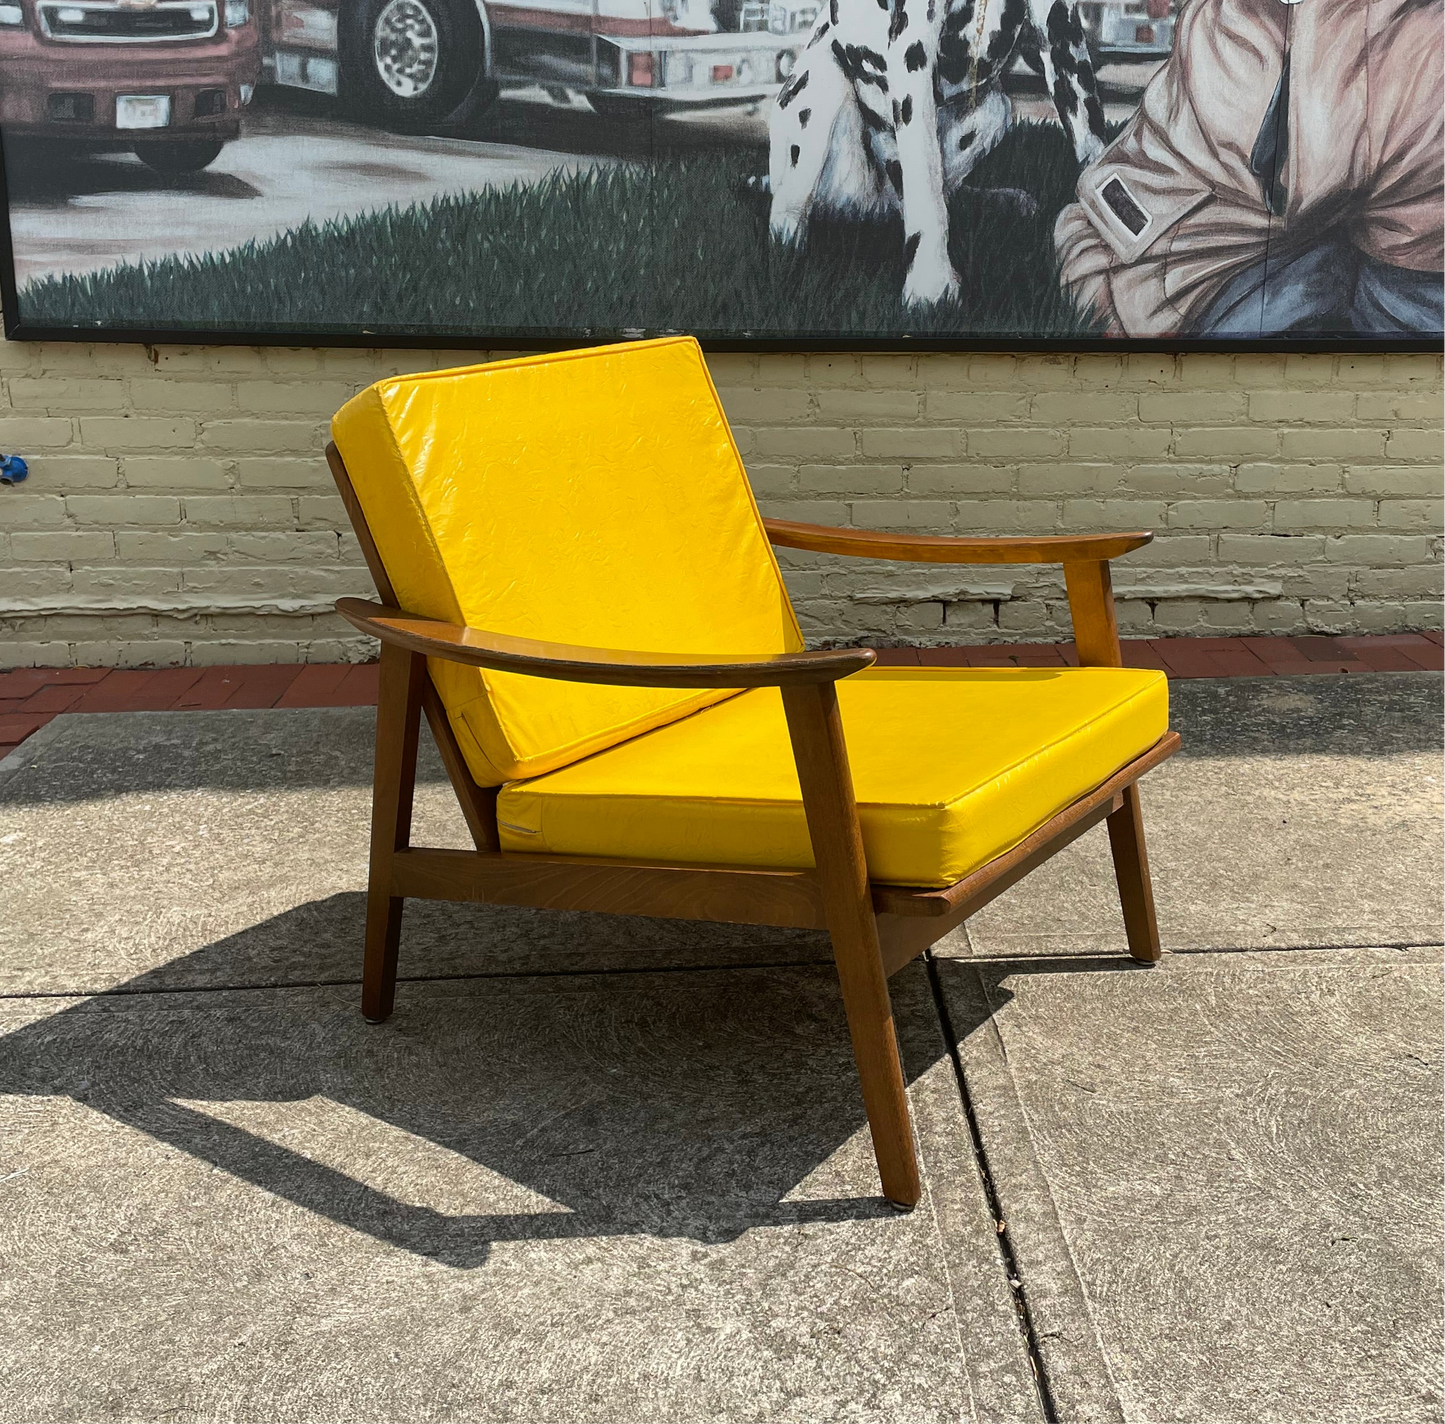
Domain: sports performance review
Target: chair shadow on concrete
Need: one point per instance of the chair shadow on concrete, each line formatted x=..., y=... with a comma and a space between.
x=699, y=1103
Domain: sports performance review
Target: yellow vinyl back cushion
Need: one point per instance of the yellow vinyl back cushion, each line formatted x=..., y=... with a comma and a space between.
x=591, y=497
x=951, y=767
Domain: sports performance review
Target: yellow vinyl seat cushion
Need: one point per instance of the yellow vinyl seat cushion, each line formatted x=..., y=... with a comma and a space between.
x=951, y=767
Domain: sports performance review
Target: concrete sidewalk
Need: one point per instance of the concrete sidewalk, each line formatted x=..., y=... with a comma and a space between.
x=607, y=1169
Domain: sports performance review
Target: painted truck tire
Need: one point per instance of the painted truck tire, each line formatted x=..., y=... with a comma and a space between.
x=181, y=155
x=409, y=63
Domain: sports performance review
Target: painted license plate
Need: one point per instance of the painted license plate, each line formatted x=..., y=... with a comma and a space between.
x=142, y=111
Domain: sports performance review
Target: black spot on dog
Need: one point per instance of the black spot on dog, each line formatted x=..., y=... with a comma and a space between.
x=818, y=34
x=894, y=169
x=895, y=113
x=898, y=21
x=910, y=248
x=953, y=50
x=906, y=110
x=793, y=155
x=1030, y=54
x=1063, y=27
x=803, y=116
x=833, y=11
x=932, y=10
x=1094, y=110
x=966, y=142
x=1064, y=61
x=915, y=57
x=873, y=120
x=1066, y=98
x=792, y=89
x=872, y=58
x=1006, y=36
x=1084, y=73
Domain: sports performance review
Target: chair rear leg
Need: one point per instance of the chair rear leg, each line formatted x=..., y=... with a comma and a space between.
x=1131, y=870
x=398, y=712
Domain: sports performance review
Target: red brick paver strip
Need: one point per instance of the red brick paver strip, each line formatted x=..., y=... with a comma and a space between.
x=30, y=697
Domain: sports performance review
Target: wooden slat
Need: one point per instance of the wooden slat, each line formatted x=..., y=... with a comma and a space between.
x=905, y=901
x=786, y=898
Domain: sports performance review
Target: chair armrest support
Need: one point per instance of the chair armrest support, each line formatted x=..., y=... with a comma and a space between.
x=947, y=549
x=569, y=663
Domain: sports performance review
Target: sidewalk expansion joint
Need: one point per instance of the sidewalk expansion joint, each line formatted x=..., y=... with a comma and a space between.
x=1007, y=1258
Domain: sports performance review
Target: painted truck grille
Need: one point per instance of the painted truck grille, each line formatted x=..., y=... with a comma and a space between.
x=91, y=23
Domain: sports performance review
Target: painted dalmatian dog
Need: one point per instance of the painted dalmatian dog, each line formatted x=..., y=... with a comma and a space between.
x=894, y=101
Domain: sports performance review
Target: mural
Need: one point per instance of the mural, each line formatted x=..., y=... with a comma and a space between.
x=787, y=171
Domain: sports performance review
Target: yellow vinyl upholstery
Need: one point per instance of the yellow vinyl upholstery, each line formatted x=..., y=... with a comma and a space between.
x=951, y=767
x=594, y=497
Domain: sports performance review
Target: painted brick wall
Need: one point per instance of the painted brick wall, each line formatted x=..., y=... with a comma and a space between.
x=179, y=511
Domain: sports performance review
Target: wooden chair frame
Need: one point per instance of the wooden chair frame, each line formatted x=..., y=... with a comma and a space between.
x=875, y=929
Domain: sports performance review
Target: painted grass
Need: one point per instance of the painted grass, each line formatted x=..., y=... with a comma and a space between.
x=674, y=246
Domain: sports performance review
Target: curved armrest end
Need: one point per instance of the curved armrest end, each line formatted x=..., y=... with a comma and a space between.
x=570, y=663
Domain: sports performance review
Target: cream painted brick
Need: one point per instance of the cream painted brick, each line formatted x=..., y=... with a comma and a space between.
x=733, y=369
x=323, y=511
x=808, y=511
x=767, y=406
x=1121, y=515
x=298, y=546
x=1387, y=480
x=1013, y=444
x=1234, y=442
x=975, y=407
x=191, y=397
x=268, y=582
x=19, y=435
x=239, y=511
x=1059, y=372
x=1203, y=371
x=74, y=472
x=1408, y=407
x=811, y=443
x=1292, y=514
x=249, y=437
x=1061, y=478
x=127, y=508
x=1120, y=442
x=849, y=479
x=867, y=407
x=1419, y=446
x=317, y=398
x=1191, y=407
x=1356, y=444
x=959, y=479
x=885, y=372
x=153, y=653
x=1332, y=407
x=1168, y=550
x=1265, y=550
x=1005, y=516
x=831, y=369
x=930, y=515
x=65, y=397
x=1289, y=479
x=283, y=473
x=910, y=444
x=189, y=361
x=126, y=582
x=46, y=581
x=773, y=481
x=1379, y=550
x=71, y=546
x=1094, y=407
x=1308, y=368
x=1146, y=371
x=223, y=652
x=1412, y=581
x=1420, y=515
x=1218, y=514
x=1182, y=480
x=190, y=473
x=136, y=432
x=180, y=549
x=1366, y=369
x=22, y=508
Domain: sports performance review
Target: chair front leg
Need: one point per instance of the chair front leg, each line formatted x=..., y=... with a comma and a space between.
x=816, y=730
x=398, y=713
x=1131, y=870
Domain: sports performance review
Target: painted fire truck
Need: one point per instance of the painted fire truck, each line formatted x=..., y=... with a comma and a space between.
x=418, y=63
x=166, y=78
x=1128, y=29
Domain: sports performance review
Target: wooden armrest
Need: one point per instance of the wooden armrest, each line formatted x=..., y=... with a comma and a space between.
x=945, y=549
x=605, y=665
